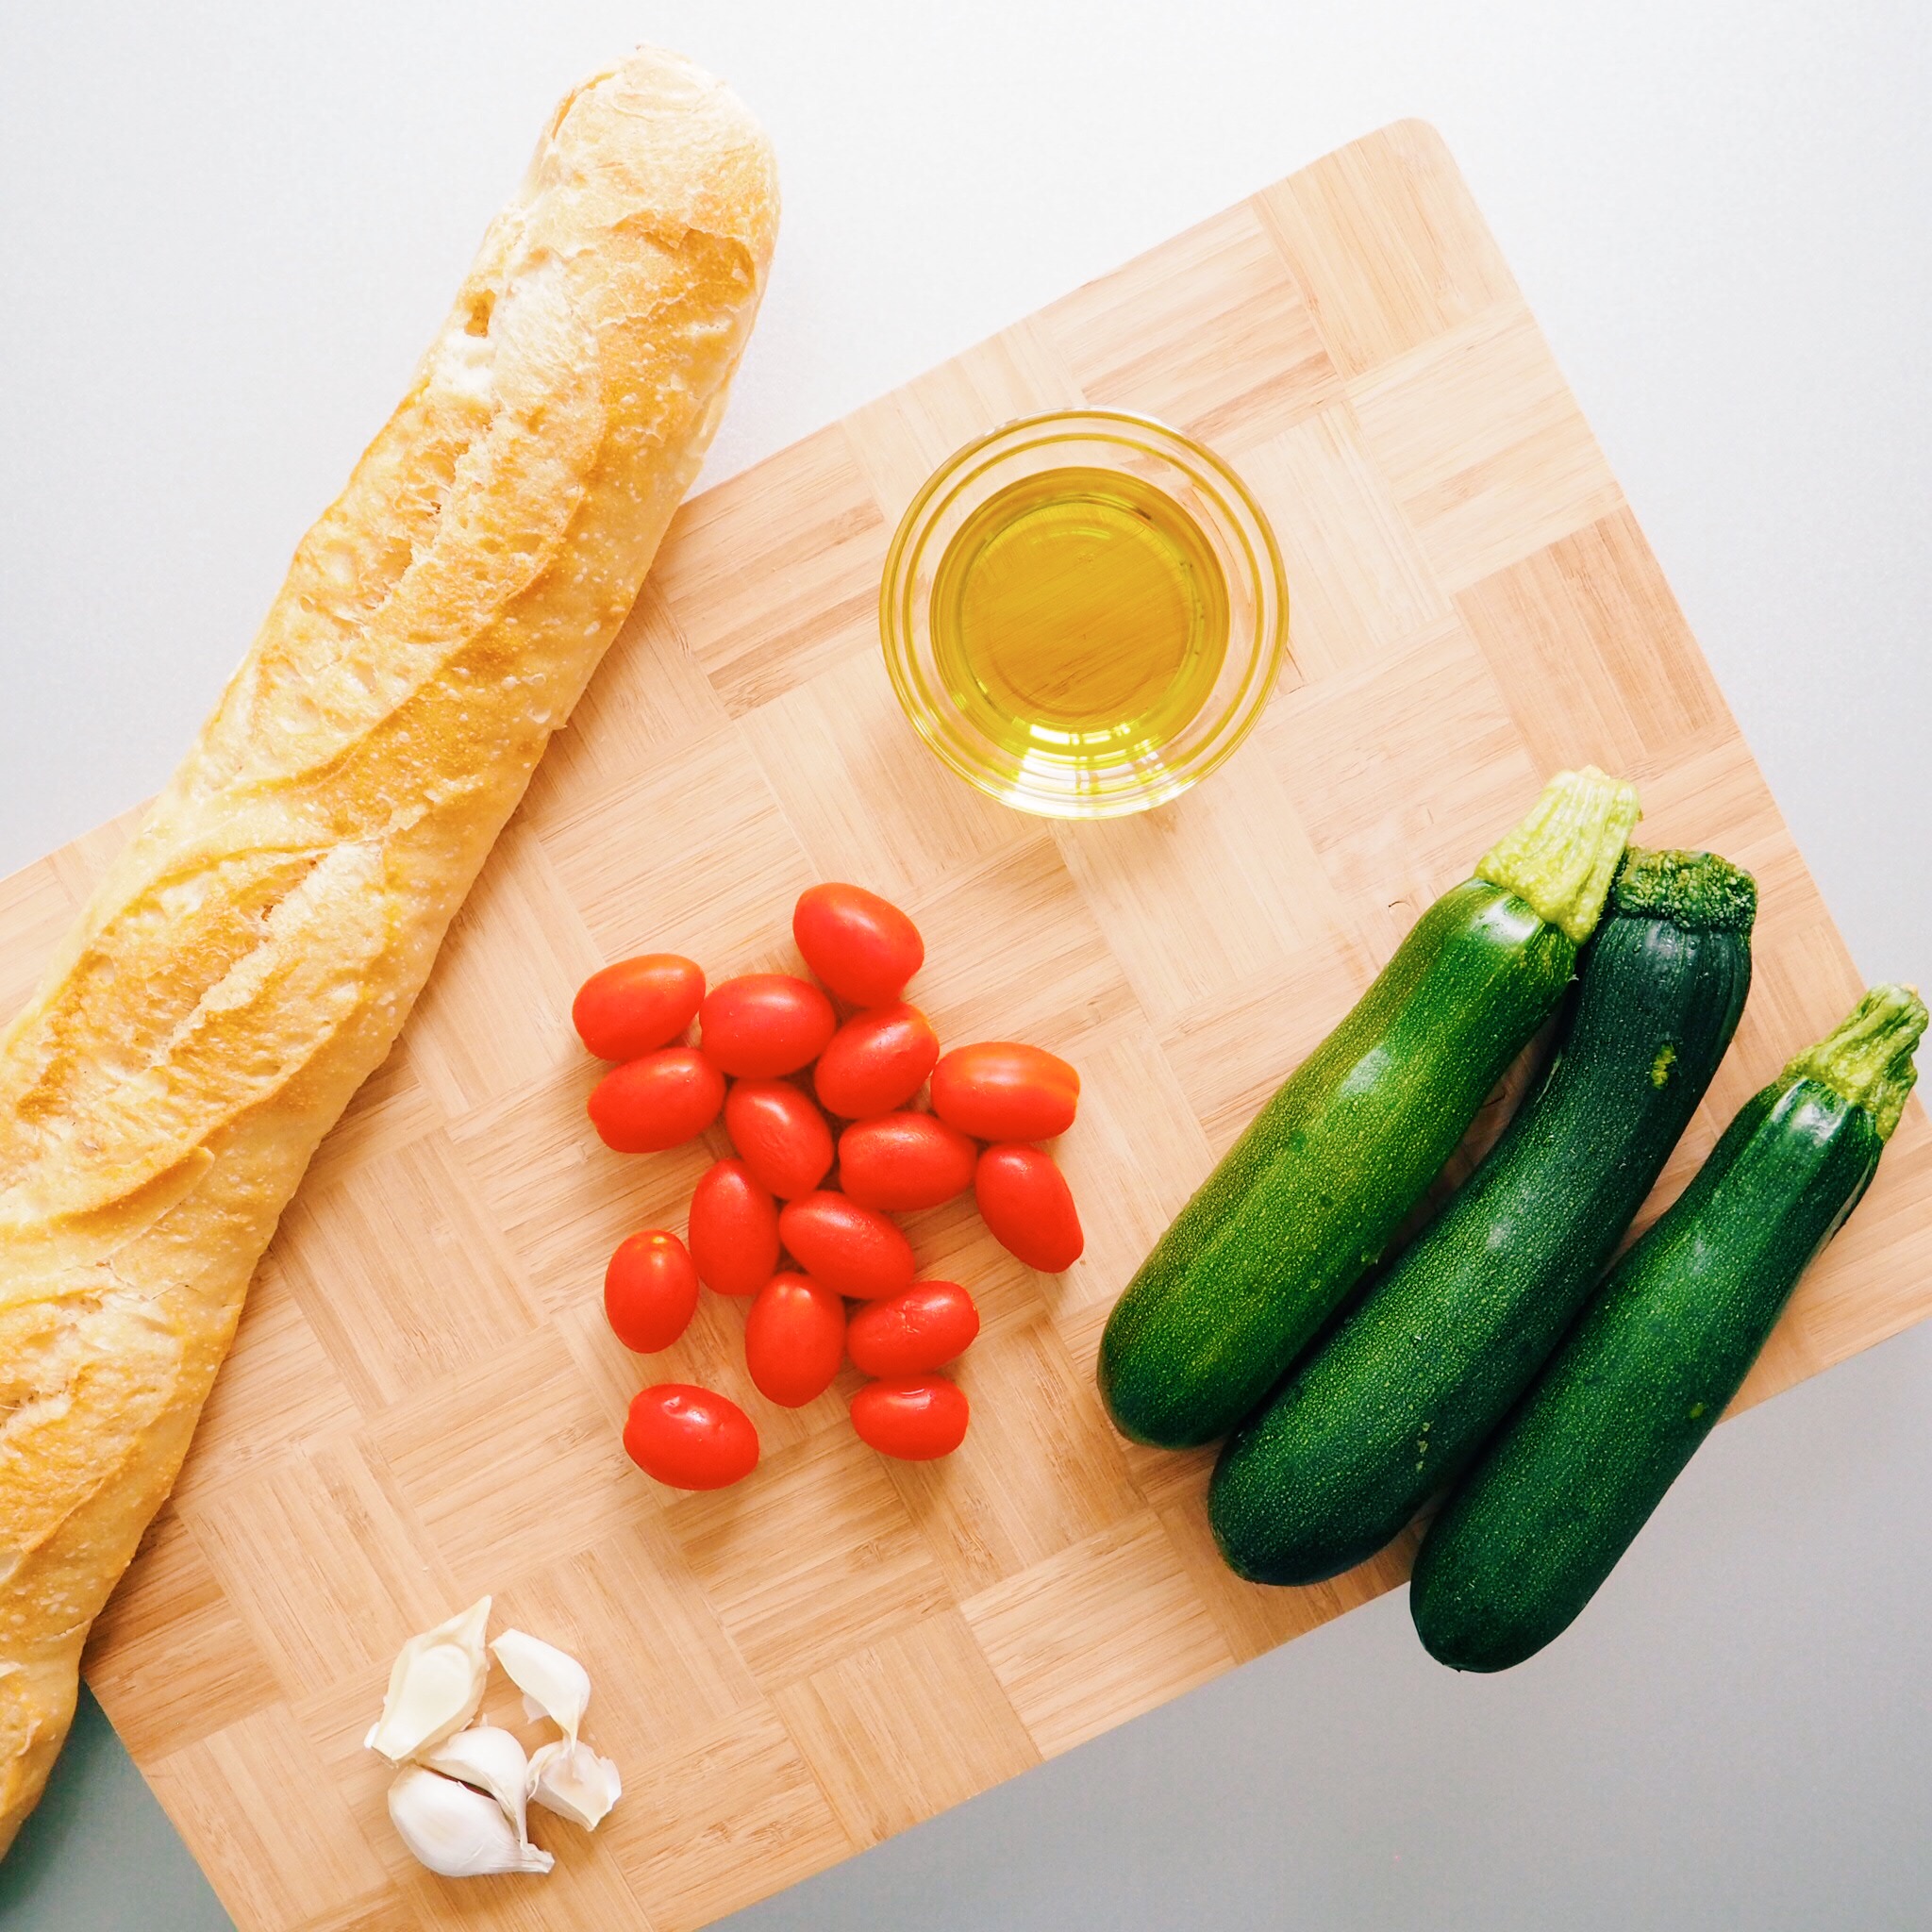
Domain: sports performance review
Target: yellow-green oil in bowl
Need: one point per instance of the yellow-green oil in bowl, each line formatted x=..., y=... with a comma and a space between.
x=1080, y=611
x=1083, y=613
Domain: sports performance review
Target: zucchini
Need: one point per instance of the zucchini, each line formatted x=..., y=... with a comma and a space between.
x=1541, y=1519
x=1307, y=1199
x=1397, y=1400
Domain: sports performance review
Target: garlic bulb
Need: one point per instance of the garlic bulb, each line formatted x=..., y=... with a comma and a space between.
x=549, y=1677
x=456, y=1831
x=493, y=1761
x=572, y=1781
x=436, y=1686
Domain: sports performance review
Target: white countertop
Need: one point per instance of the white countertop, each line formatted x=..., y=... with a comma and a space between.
x=228, y=232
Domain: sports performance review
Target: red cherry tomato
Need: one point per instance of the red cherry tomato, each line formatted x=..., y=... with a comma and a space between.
x=637, y=1004
x=915, y=1418
x=689, y=1437
x=903, y=1162
x=656, y=1101
x=734, y=1229
x=876, y=1062
x=1023, y=1199
x=794, y=1339
x=761, y=1024
x=783, y=1137
x=998, y=1091
x=906, y=1334
x=853, y=1250
x=862, y=946
x=650, y=1291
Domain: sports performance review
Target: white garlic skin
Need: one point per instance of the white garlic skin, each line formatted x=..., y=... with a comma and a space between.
x=436, y=1686
x=553, y=1679
x=454, y=1831
x=575, y=1783
x=493, y=1761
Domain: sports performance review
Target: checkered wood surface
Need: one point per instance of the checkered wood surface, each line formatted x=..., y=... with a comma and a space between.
x=424, y=1401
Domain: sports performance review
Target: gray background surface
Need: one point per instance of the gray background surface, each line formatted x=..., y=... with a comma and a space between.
x=229, y=229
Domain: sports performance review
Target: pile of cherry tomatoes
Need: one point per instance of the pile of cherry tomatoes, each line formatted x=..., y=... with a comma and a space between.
x=776, y=1223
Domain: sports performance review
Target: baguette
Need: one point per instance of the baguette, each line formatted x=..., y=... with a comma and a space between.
x=250, y=956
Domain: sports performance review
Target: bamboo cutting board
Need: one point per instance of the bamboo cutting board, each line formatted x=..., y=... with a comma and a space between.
x=423, y=1402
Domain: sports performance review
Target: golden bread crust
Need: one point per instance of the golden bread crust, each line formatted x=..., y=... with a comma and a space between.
x=250, y=956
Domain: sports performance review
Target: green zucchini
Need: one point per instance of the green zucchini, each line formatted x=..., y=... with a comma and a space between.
x=1541, y=1519
x=1307, y=1199
x=1397, y=1400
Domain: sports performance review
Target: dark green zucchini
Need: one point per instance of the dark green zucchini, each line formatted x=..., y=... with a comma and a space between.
x=1542, y=1517
x=1307, y=1199
x=1395, y=1402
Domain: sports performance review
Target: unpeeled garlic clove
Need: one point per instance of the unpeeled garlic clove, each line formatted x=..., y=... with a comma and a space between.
x=493, y=1761
x=571, y=1780
x=436, y=1686
x=552, y=1678
x=454, y=1831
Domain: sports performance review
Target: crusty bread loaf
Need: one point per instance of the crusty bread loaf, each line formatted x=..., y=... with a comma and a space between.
x=251, y=956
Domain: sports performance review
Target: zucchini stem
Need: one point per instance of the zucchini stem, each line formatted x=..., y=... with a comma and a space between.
x=1695, y=889
x=1866, y=1060
x=1562, y=859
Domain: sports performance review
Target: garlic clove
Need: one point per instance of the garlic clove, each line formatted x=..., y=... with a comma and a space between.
x=436, y=1686
x=454, y=1831
x=493, y=1761
x=554, y=1679
x=571, y=1780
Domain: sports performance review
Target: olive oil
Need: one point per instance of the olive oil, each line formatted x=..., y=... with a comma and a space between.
x=1079, y=615
x=1083, y=613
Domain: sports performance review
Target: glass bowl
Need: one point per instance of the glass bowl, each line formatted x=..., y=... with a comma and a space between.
x=1085, y=774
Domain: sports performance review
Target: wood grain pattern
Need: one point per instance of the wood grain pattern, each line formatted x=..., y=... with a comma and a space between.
x=424, y=1399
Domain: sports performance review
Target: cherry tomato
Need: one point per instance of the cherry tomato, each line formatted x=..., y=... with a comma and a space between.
x=903, y=1162
x=997, y=1091
x=876, y=1062
x=734, y=1229
x=1023, y=1199
x=906, y=1333
x=862, y=946
x=650, y=1291
x=689, y=1437
x=783, y=1137
x=761, y=1024
x=852, y=1249
x=915, y=1418
x=637, y=1004
x=794, y=1339
x=650, y=1103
